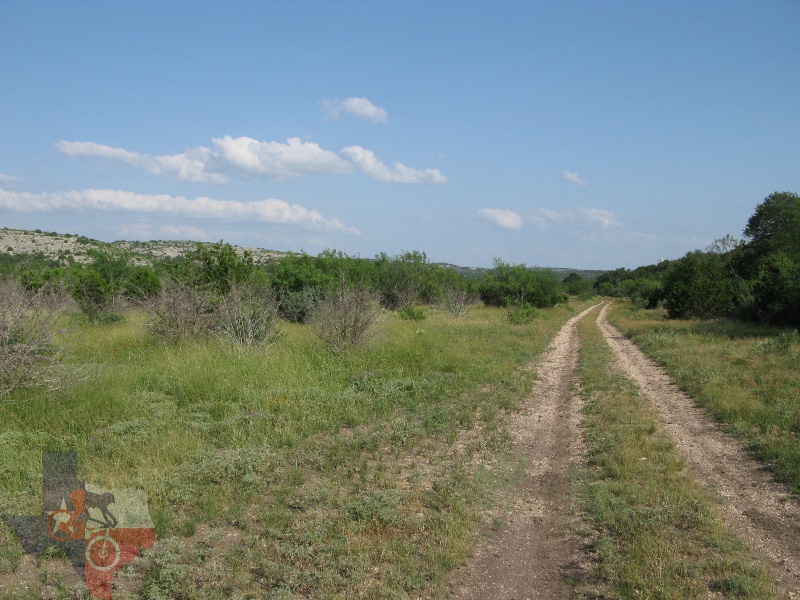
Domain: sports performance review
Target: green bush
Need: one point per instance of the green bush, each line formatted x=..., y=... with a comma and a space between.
x=511, y=285
x=142, y=283
x=215, y=268
x=411, y=313
x=700, y=285
x=92, y=293
x=522, y=314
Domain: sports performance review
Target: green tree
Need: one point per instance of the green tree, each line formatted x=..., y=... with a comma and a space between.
x=700, y=285
x=513, y=285
x=92, y=293
x=216, y=267
x=775, y=225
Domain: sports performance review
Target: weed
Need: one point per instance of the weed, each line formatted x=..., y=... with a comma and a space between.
x=522, y=314
x=411, y=313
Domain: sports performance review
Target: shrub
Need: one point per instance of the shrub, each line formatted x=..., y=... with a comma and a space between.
x=406, y=279
x=92, y=293
x=28, y=322
x=247, y=317
x=522, y=314
x=297, y=306
x=347, y=318
x=215, y=268
x=179, y=311
x=142, y=283
x=411, y=313
x=700, y=285
x=509, y=285
x=456, y=301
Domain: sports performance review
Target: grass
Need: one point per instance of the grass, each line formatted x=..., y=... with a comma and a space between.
x=290, y=472
x=745, y=375
x=655, y=531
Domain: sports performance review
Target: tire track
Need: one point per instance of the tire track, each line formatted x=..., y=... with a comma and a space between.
x=759, y=510
x=535, y=551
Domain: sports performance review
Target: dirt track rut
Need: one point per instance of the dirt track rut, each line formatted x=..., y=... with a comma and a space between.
x=754, y=506
x=535, y=551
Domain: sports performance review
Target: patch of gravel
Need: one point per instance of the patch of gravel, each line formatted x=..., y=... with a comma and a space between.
x=763, y=513
x=535, y=550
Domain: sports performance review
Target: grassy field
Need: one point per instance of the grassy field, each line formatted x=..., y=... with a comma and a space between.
x=289, y=472
x=746, y=376
x=654, y=531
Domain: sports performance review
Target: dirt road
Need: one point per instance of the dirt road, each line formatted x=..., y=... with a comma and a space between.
x=536, y=549
x=758, y=510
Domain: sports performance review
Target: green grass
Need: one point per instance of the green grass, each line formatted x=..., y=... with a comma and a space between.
x=336, y=476
x=745, y=375
x=655, y=532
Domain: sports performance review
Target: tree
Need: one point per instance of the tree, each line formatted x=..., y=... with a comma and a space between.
x=775, y=225
x=216, y=268
x=700, y=285
x=510, y=285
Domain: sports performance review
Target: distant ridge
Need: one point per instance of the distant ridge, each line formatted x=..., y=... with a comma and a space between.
x=67, y=247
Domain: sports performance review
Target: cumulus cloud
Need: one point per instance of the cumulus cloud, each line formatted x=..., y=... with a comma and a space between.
x=270, y=210
x=7, y=178
x=399, y=173
x=605, y=218
x=250, y=156
x=246, y=157
x=601, y=216
x=361, y=108
x=190, y=166
x=504, y=218
x=575, y=178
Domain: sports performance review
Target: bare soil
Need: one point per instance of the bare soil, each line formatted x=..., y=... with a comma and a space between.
x=535, y=549
x=760, y=511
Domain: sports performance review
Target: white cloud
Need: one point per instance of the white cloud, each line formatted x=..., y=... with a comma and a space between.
x=190, y=166
x=250, y=156
x=550, y=214
x=270, y=210
x=575, y=178
x=504, y=218
x=368, y=163
x=246, y=157
x=7, y=178
x=605, y=218
x=360, y=108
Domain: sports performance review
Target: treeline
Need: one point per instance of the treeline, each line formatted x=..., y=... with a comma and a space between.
x=755, y=279
x=296, y=283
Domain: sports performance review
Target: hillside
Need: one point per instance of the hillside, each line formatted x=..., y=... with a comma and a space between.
x=67, y=247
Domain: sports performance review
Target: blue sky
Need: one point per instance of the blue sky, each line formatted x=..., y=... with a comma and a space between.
x=569, y=134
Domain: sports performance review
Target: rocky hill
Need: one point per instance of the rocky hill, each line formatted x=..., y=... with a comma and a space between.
x=66, y=248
